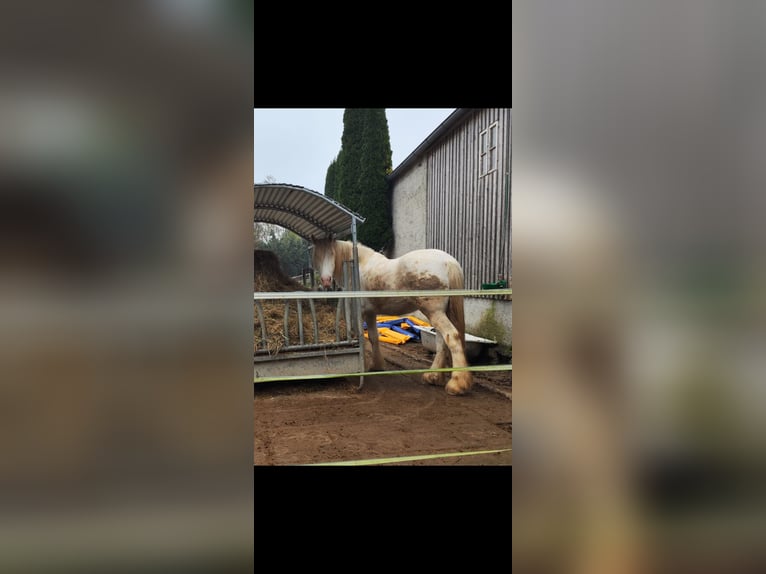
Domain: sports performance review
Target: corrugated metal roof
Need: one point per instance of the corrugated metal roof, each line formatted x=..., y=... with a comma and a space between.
x=303, y=211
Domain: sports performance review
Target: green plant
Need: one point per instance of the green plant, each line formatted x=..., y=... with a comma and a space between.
x=489, y=327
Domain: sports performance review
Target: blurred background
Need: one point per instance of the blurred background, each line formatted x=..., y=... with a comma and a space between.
x=125, y=208
x=639, y=309
x=125, y=304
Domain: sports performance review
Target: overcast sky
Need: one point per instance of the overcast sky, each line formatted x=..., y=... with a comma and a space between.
x=296, y=145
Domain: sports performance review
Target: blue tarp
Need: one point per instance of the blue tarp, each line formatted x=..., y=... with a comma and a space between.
x=393, y=324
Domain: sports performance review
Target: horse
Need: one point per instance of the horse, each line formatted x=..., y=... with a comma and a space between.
x=422, y=269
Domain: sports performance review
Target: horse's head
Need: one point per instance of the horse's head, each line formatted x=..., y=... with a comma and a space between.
x=324, y=260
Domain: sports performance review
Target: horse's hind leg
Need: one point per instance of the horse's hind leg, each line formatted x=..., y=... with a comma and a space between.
x=460, y=381
x=440, y=361
x=372, y=330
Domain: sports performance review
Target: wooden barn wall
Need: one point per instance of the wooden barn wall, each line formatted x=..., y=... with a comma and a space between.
x=470, y=216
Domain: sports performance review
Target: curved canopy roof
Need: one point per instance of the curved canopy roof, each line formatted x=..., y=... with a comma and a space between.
x=303, y=211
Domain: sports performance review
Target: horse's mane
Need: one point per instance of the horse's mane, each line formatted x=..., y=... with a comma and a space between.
x=346, y=250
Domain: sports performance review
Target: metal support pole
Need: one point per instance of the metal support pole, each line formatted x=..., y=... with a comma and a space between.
x=356, y=281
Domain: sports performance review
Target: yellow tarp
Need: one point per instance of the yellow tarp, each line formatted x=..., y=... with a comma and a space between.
x=390, y=336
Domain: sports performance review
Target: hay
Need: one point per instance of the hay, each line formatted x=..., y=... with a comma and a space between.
x=273, y=312
x=270, y=277
x=268, y=274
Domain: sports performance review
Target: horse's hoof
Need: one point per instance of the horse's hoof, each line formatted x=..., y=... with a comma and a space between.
x=433, y=379
x=457, y=387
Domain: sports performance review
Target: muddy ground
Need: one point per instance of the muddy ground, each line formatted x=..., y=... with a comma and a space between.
x=392, y=416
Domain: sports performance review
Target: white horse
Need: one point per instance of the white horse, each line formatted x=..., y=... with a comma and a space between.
x=424, y=269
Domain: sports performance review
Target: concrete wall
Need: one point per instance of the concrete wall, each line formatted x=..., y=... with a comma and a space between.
x=475, y=309
x=410, y=196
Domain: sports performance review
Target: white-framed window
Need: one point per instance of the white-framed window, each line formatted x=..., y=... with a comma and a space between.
x=488, y=150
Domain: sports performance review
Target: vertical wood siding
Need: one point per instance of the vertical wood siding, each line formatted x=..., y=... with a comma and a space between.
x=470, y=216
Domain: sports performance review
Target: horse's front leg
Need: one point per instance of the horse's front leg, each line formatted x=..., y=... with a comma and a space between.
x=372, y=330
x=460, y=381
x=440, y=361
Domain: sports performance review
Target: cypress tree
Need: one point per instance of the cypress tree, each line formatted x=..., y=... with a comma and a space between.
x=330, y=182
x=351, y=158
x=375, y=201
x=357, y=177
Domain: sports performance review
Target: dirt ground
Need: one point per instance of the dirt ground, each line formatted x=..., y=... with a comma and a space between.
x=391, y=416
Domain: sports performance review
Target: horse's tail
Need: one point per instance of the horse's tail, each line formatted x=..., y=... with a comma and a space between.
x=455, y=311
